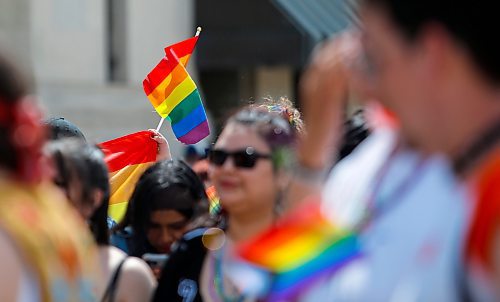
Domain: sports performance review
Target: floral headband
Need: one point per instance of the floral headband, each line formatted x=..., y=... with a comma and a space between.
x=286, y=113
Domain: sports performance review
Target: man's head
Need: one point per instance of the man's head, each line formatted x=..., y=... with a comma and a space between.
x=470, y=24
x=432, y=62
x=60, y=128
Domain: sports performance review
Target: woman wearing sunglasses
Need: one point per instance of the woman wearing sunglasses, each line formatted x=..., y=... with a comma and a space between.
x=247, y=169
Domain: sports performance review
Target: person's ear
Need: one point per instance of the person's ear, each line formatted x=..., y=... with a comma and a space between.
x=97, y=198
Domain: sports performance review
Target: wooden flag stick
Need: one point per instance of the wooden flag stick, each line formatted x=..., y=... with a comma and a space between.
x=160, y=123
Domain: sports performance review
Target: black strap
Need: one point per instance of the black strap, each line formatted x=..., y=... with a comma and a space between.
x=110, y=293
x=477, y=149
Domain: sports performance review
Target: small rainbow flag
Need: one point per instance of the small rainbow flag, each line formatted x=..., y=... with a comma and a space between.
x=299, y=249
x=127, y=158
x=174, y=94
x=213, y=199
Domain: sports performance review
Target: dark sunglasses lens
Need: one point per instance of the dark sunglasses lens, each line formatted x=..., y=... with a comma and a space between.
x=244, y=160
x=217, y=157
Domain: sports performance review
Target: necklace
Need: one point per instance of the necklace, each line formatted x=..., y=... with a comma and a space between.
x=375, y=210
x=477, y=149
x=219, y=281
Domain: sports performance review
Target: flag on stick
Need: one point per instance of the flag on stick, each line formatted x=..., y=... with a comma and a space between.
x=127, y=158
x=174, y=95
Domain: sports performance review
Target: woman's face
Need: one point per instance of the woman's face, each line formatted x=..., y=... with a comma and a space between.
x=72, y=188
x=243, y=189
x=166, y=227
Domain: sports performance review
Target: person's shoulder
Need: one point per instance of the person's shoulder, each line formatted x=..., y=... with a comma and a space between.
x=192, y=240
x=136, y=278
x=132, y=267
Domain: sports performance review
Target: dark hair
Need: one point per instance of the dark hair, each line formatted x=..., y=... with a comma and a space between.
x=76, y=160
x=277, y=132
x=167, y=185
x=471, y=23
x=13, y=87
x=59, y=128
x=355, y=131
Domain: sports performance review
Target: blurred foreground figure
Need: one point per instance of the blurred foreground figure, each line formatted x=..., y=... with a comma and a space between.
x=424, y=195
x=46, y=251
x=83, y=176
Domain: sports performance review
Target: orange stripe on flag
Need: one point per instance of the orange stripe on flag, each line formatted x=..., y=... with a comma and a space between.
x=161, y=74
x=180, y=92
x=165, y=88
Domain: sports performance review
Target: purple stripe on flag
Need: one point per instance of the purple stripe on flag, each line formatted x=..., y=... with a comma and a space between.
x=196, y=134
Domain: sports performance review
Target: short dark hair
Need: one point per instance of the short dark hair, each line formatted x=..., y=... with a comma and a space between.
x=76, y=159
x=59, y=128
x=470, y=22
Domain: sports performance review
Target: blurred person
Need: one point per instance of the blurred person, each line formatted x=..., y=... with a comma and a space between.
x=435, y=66
x=191, y=155
x=83, y=176
x=46, y=250
x=168, y=201
x=59, y=127
x=248, y=169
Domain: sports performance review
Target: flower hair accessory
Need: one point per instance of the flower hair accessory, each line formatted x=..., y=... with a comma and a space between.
x=283, y=111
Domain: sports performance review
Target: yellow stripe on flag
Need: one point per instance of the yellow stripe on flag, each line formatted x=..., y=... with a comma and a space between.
x=122, y=186
x=178, y=94
x=117, y=210
x=158, y=95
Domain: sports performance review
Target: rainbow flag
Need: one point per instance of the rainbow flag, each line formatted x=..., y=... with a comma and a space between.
x=299, y=249
x=175, y=96
x=213, y=199
x=127, y=158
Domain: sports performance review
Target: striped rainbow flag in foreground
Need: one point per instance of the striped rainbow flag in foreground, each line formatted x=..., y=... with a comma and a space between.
x=127, y=158
x=174, y=94
x=301, y=248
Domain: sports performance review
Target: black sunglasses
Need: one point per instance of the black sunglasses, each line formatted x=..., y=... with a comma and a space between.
x=246, y=158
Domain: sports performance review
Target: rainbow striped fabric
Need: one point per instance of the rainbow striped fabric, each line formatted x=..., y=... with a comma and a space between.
x=127, y=158
x=174, y=94
x=299, y=249
x=213, y=199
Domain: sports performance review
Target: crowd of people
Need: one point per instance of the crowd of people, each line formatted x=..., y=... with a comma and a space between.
x=414, y=175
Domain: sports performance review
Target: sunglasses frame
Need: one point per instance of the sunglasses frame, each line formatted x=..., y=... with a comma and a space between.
x=243, y=158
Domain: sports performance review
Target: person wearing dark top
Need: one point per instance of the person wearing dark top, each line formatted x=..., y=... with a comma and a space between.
x=179, y=278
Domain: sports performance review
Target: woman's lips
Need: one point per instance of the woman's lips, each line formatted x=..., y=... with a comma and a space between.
x=228, y=184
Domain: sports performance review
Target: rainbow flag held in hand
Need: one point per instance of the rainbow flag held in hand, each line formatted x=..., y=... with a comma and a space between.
x=174, y=94
x=301, y=248
x=127, y=158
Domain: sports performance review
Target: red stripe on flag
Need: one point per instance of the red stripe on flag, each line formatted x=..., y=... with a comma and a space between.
x=157, y=75
x=183, y=48
x=132, y=149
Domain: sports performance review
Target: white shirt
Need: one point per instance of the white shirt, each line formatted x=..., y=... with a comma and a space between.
x=411, y=249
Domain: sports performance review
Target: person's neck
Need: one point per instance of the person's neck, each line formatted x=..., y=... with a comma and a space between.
x=243, y=227
x=469, y=118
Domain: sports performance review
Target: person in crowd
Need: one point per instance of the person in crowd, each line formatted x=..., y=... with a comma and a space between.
x=168, y=201
x=59, y=127
x=438, y=71
x=83, y=176
x=46, y=249
x=248, y=168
